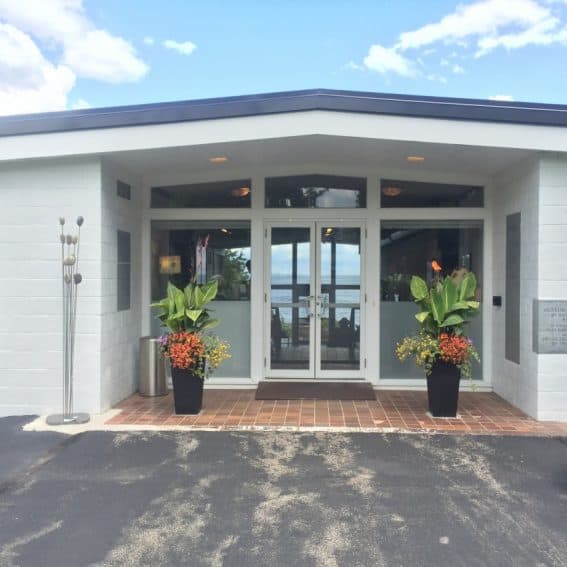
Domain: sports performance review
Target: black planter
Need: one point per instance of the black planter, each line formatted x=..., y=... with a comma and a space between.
x=187, y=391
x=443, y=389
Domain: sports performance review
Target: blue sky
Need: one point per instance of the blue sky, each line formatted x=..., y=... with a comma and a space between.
x=59, y=54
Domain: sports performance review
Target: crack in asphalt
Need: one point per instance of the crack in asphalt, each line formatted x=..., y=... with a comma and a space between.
x=23, y=477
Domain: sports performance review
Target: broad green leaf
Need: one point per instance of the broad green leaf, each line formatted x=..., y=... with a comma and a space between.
x=449, y=295
x=198, y=298
x=418, y=288
x=210, y=291
x=171, y=323
x=188, y=292
x=473, y=304
x=171, y=289
x=210, y=324
x=422, y=316
x=193, y=314
x=179, y=299
x=452, y=320
x=437, y=307
x=467, y=287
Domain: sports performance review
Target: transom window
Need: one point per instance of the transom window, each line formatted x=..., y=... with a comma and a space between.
x=315, y=192
x=405, y=194
x=218, y=194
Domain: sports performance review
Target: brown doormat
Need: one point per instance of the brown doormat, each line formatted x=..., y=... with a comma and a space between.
x=315, y=391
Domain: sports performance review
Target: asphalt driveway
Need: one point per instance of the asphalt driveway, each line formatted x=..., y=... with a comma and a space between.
x=277, y=498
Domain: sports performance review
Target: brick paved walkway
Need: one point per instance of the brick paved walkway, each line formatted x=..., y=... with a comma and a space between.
x=395, y=409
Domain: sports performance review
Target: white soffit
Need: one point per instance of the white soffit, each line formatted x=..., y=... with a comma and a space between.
x=285, y=125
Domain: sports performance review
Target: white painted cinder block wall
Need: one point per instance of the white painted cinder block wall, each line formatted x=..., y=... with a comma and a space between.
x=33, y=195
x=552, y=271
x=516, y=191
x=120, y=331
x=537, y=189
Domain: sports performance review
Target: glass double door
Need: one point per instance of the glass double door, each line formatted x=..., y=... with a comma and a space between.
x=313, y=300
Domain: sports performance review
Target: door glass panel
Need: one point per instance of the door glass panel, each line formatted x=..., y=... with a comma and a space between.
x=339, y=298
x=290, y=298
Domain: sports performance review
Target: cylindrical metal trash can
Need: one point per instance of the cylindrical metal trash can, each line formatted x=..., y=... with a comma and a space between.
x=152, y=368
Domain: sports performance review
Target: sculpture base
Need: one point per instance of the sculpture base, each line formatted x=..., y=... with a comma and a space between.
x=72, y=419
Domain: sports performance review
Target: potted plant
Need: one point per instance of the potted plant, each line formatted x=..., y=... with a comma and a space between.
x=393, y=285
x=441, y=347
x=193, y=353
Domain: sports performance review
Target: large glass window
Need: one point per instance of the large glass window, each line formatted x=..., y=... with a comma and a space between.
x=405, y=194
x=184, y=251
x=409, y=248
x=219, y=194
x=316, y=191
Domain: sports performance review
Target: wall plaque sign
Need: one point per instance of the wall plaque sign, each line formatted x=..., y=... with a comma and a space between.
x=550, y=326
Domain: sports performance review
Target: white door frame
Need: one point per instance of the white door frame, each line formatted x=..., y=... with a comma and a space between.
x=314, y=371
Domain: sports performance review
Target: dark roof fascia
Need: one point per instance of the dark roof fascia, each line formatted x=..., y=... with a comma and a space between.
x=295, y=101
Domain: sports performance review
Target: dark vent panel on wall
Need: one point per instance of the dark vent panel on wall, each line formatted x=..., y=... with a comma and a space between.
x=123, y=270
x=512, y=297
x=123, y=190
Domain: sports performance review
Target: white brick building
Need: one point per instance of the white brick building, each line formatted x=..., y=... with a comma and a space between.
x=315, y=188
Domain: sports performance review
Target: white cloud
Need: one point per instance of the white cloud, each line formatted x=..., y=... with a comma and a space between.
x=388, y=60
x=479, y=25
x=483, y=18
x=436, y=77
x=457, y=69
x=503, y=97
x=80, y=104
x=149, y=40
x=183, y=47
x=351, y=65
x=115, y=60
x=543, y=33
x=45, y=45
x=28, y=81
x=87, y=50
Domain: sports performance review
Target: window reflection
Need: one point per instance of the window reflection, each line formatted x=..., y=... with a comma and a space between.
x=190, y=251
x=217, y=194
x=420, y=248
x=185, y=251
x=399, y=193
x=316, y=191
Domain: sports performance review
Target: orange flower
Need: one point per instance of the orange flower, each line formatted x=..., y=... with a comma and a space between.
x=453, y=349
x=436, y=266
x=184, y=349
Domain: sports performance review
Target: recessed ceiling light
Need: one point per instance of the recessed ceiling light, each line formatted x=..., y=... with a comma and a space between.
x=218, y=159
x=415, y=159
x=225, y=230
x=391, y=191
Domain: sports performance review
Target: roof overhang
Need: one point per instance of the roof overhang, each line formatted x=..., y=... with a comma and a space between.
x=286, y=102
x=281, y=116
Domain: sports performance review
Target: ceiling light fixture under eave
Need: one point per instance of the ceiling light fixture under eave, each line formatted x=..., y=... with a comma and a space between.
x=218, y=159
x=415, y=159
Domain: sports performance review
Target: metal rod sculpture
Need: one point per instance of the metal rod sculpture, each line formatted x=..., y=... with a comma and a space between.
x=70, y=280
